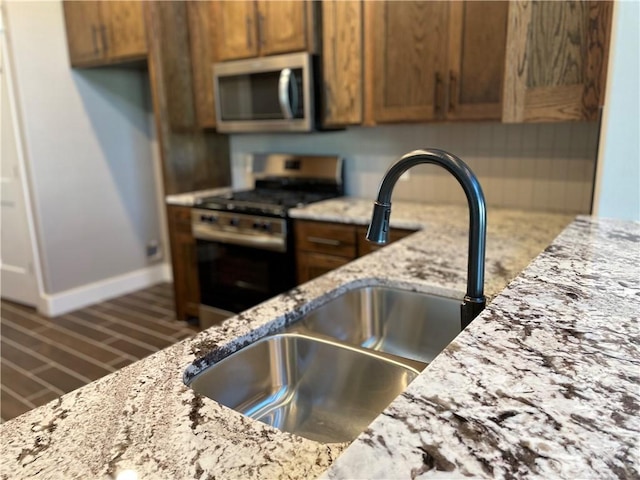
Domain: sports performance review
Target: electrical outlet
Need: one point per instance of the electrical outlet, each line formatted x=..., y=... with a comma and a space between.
x=153, y=250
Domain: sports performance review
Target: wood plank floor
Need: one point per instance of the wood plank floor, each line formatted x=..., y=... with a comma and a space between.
x=43, y=358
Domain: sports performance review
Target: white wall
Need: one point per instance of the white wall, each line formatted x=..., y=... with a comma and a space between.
x=546, y=167
x=88, y=145
x=618, y=177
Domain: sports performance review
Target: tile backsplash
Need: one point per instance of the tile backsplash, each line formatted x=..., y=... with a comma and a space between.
x=546, y=167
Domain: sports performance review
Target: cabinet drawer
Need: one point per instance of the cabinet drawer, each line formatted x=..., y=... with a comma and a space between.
x=328, y=238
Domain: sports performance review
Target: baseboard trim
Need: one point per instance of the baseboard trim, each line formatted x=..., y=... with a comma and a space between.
x=75, y=298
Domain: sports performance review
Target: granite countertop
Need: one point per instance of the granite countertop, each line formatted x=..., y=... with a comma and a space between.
x=543, y=383
x=189, y=199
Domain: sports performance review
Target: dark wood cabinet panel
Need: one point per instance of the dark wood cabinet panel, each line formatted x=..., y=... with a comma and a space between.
x=324, y=246
x=312, y=265
x=184, y=263
x=365, y=247
x=193, y=159
x=329, y=238
x=560, y=50
x=203, y=42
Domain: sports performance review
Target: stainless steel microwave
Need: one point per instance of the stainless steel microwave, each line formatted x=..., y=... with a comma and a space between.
x=265, y=94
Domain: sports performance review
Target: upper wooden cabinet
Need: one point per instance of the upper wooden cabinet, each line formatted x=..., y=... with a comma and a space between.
x=248, y=28
x=237, y=28
x=203, y=35
x=477, y=44
x=101, y=33
x=434, y=60
x=417, y=61
x=557, y=58
x=282, y=26
x=83, y=22
x=342, y=62
x=407, y=44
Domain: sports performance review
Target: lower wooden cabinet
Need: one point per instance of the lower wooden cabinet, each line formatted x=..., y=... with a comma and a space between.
x=322, y=247
x=325, y=246
x=365, y=247
x=186, y=285
x=312, y=265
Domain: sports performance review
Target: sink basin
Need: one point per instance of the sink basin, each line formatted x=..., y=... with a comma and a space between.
x=312, y=387
x=412, y=325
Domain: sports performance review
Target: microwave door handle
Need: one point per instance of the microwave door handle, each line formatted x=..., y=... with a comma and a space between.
x=283, y=93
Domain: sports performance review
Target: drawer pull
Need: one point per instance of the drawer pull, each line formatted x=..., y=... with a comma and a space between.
x=324, y=241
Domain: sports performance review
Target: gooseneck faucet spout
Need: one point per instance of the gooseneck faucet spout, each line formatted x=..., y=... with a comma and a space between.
x=474, y=300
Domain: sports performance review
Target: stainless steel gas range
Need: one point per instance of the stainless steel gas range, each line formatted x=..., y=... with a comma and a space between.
x=245, y=238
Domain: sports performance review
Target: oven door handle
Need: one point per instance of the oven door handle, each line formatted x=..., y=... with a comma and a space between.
x=286, y=77
x=263, y=242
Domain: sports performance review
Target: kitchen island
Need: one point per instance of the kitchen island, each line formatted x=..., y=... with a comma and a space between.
x=543, y=383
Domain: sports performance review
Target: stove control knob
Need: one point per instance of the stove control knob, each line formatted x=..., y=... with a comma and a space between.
x=234, y=222
x=266, y=227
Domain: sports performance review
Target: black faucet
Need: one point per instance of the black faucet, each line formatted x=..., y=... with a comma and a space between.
x=474, y=300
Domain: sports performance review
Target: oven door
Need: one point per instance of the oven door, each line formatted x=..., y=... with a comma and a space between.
x=234, y=278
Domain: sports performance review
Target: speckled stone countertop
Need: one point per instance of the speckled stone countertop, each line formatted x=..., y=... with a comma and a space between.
x=189, y=199
x=541, y=384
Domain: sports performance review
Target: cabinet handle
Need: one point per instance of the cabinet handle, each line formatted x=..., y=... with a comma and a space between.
x=453, y=91
x=103, y=33
x=324, y=241
x=438, y=93
x=94, y=38
x=249, y=28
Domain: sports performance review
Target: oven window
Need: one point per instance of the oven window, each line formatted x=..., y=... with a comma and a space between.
x=235, y=278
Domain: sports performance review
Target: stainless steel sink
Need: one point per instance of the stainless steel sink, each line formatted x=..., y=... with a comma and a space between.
x=312, y=387
x=408, y=324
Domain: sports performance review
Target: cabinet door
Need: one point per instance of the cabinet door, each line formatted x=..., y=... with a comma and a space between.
x=202, y=39
x=282, y=26
x=83, y=23
x=312, y=265
x=477, y=44
x=237, y=29
x=407, y=45
x=556, y=59
x=123, y=29
x=184, y=264
x=342, y=62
